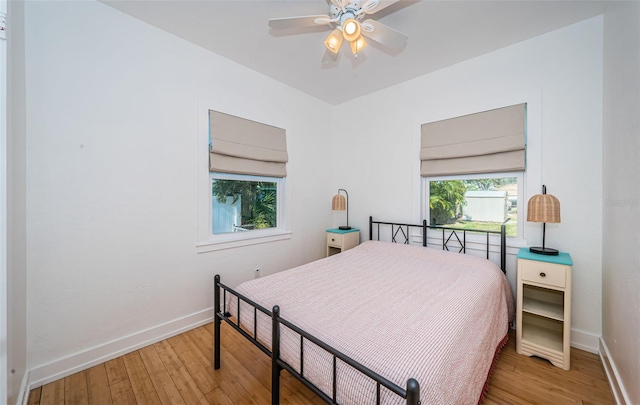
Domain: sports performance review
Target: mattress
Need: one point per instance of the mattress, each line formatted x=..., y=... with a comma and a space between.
x=402, y=311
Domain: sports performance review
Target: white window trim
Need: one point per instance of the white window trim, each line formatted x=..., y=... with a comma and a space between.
x=248, y=238
x=517, y=240
x=205, y=240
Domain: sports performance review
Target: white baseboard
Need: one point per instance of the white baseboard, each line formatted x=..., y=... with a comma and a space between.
x=585, y=341
x=23, y=397
x=74, y=363
x=619, y=393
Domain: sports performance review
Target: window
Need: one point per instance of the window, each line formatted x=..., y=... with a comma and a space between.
x=241, y=182
x=244, y=203
x=475, y=202
x=472, y=167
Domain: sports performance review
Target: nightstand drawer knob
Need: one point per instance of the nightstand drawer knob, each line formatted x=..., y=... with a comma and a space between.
x=543, y=275
x=333, y=240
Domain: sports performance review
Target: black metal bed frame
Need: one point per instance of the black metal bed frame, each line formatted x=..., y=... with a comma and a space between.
x=412, y=391
x=448, y=233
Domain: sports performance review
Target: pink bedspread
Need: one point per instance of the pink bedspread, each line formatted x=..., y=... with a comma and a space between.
x=403, y=311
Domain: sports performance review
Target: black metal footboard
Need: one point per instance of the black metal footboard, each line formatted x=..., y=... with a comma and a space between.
x=449, y=235
x=411, y=393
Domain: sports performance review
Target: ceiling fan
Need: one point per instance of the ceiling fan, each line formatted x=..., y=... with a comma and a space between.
x=350, y=21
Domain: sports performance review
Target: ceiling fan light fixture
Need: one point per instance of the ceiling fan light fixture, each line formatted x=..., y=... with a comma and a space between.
x=344, y=18
x=358, y=45
x=334, y=41
x=351, y=29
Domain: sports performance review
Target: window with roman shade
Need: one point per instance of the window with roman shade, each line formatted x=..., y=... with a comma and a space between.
x=241, y=146
x=486, y=142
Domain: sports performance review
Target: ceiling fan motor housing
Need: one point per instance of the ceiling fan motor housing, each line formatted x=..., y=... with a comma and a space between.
x=351, y=10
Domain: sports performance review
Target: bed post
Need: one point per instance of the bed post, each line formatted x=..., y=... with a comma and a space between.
x=503, y=248
x=413, y=392
x=424, y=233
x=370, y=227
x=216, y=324
x=275, y=356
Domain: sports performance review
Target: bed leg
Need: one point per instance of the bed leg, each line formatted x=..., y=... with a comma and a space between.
x=424, y=233
x=503, y=248
x=275, y=356
x=413, y=392
x=216, y=324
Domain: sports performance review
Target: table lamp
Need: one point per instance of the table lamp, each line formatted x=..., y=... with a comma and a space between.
x=543, y=208
x=339, y=203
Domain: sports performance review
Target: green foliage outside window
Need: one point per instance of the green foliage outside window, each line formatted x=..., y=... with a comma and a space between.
x=488, y=184
x=447, y=202
x=258, y=201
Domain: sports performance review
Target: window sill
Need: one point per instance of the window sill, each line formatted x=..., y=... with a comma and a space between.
x=240, y=239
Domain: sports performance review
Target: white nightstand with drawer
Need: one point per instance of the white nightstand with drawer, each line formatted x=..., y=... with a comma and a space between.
x=339, y=240
x=543, y=314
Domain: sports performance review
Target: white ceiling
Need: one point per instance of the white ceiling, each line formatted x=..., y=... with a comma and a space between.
x=441, y=33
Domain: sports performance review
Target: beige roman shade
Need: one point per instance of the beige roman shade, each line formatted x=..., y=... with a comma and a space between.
x=486, y=142
x=242, y=146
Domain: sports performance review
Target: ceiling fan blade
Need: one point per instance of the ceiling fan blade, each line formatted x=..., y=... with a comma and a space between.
x=373, y=6
x=383, y=34
x=341, y=4
x=299, y=22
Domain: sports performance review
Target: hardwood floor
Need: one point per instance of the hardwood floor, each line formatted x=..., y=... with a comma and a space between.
x=179, y=370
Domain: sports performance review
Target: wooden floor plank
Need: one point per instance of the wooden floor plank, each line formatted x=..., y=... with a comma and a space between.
x=218, y=397
x=499, y=396
x=34, y=396
x=203, y=376
x=116, y=371
x=98, y=389
x=258, y=387
x=53, y=393
x=179, y=370
x=185, y=384
x=164, y=385
x=260, y=394
x=143, y=388
x=75, y=389
x=570, y=381
x=225, y=378
x=122, y=393
x=529, y=391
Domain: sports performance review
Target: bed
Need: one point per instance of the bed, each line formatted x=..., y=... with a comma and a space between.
x=382, y=323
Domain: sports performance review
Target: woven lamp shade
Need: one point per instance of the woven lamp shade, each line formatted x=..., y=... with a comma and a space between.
x=338, y=203
x=543, y=208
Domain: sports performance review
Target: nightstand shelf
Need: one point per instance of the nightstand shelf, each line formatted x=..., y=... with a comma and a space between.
x=543, y=308
x=539, y=337
x=543, y=314
x=548, y=304
x=339, y=240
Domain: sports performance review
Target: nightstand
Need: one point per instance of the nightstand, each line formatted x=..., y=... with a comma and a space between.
x=543, y=317
x=339, y=240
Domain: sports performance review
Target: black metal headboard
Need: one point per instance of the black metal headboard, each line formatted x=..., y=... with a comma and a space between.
x=400, y=230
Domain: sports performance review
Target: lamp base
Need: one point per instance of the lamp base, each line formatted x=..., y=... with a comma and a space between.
x=346, y=228
x=544, y=251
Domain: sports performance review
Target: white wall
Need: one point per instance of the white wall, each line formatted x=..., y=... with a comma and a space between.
x=112, y=108
x=16, y=206
x=621, y=194
x=559, y=74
